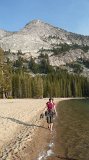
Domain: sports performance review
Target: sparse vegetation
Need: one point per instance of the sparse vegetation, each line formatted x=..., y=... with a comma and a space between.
x=63, y=48
x=86, y=63
x=77, y=68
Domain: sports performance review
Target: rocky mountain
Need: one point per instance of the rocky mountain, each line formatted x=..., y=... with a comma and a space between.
x=38, y=38
x=36, y=35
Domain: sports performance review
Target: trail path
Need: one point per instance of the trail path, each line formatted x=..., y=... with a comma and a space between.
x=19, y=118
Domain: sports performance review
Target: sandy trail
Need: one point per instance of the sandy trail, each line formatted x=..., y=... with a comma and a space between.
x=19, y=118
x=19, y=123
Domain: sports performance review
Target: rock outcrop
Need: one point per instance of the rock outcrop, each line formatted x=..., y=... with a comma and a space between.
x=38, y=35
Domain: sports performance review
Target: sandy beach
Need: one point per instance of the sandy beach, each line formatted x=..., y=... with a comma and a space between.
x=19, y=122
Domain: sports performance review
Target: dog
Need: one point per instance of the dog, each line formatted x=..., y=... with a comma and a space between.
x=41, y=115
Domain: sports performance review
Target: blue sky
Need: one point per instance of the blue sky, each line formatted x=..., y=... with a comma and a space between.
x=71, y=15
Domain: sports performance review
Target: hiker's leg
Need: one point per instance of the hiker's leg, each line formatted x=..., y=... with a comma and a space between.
x=51, y=126
x=48, y=121
x=51, y=122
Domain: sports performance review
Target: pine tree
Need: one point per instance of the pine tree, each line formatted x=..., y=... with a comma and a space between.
x=5, y=76
x=37, y=87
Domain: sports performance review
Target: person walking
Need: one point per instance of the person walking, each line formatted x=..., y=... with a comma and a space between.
x=50, y=113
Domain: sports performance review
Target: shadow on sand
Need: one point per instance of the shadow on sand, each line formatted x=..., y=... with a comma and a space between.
x=23, y=123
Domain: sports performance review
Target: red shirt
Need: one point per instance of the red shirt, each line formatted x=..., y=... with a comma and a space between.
x=50, y=105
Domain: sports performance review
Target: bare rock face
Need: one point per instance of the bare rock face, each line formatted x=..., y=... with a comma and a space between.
x=4, y=34
x=29, y=39
x=37, y=35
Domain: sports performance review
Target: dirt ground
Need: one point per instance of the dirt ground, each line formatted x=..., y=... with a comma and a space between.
x=37, y=145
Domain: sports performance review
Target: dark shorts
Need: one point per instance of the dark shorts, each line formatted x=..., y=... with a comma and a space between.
x=50, y=116
x=49, y=119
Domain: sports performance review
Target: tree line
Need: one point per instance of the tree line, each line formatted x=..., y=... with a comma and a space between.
x=56, y=84
x=17, y=83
